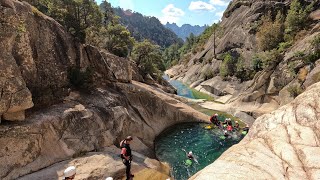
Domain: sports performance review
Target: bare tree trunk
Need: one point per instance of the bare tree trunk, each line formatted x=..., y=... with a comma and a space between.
x=214, y=44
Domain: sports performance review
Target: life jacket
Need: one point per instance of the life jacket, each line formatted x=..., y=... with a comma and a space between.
x=211, y=119
x=128, y=150
x=229, y=128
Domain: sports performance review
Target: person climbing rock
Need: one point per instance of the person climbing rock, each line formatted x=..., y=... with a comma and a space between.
x=69, y=173
x=126, y=156
x=229, y=128
x=237, y=126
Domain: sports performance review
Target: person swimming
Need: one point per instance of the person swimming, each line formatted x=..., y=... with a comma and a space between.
x=190, y=156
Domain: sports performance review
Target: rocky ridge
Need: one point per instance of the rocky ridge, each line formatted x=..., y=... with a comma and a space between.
x=268, y=90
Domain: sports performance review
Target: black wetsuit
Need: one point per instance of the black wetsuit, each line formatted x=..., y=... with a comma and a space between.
x=127, y=163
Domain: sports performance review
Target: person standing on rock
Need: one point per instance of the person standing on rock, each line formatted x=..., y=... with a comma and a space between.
x=126, y=156
x=69, y=173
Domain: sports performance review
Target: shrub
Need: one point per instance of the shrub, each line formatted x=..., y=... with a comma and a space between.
x=303, y=72
x=270, y=58
x=227, y=66
x=284, y=46
x=295, y=90
x=316, y=43
x=270, y=33
x=257, y=64
x=209, y=74
x=299, y=54
x=297, y=18
x=80, y=79
x=313, y=57
x=316, y=77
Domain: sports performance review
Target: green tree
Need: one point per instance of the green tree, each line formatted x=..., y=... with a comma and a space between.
x=297, y=17
x=81, y=15
x=109, y=14
x=270, y=33
x=119, y=40
x=227, y=66
x=148, y=57
x=171, y=54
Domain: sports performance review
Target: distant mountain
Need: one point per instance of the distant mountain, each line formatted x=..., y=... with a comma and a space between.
x=185, y=30
x=146, y=27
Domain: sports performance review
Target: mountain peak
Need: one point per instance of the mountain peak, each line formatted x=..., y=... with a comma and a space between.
x=186, y=29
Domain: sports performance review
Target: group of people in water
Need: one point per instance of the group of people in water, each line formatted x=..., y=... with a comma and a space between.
x=227, y=127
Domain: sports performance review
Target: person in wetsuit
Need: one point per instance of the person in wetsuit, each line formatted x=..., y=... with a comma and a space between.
x=126, y=156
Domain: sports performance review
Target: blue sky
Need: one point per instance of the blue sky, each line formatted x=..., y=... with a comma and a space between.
x=194, y=12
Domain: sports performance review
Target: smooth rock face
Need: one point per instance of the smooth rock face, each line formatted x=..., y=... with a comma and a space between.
x=281, y=145
x=36, y=57
x=100, y=165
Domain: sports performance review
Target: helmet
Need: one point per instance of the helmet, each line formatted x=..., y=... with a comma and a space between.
x=70, y=171
x=216, y=114
x=225, y=131
x=190, y=152
x=236, y=121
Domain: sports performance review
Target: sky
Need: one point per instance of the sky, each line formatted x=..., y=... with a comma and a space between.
x=197, y=12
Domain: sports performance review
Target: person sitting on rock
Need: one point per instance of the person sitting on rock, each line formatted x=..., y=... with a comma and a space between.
x=237, y=126
x=227, y=122
x=69, y=173
x=214, y=119
x=126, y=156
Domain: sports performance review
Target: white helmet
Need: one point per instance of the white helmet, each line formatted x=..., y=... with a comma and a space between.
x=190, y=152
x=70, y=171
x=109, y=178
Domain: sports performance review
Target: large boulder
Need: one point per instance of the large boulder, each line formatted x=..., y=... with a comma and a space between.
x=88, y=123
x=100, y=165
x=281, y=145
x=37, y=57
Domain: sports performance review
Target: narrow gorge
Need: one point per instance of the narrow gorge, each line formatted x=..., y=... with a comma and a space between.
x=67, y=101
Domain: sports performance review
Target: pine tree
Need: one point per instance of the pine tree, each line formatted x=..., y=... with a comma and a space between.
x=270, y=33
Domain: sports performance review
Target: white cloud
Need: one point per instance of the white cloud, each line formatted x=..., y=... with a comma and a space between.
x=219, y=2
x=219, y=14
x=171, y=14
x=126, y=4
x=201, y=6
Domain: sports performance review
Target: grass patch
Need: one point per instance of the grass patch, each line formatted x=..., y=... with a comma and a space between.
x=200, y=95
